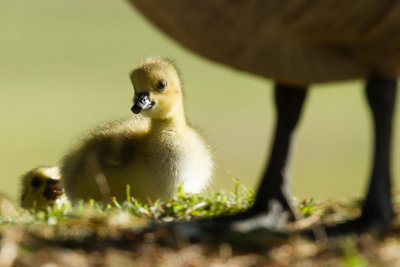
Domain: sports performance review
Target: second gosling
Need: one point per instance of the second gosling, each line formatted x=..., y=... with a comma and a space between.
x=153, y=152
x=41, y=188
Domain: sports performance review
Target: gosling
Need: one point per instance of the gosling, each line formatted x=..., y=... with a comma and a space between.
x=152, y=153
x=41, y=188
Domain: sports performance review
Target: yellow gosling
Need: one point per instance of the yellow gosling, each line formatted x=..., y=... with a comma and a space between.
x=41, y=188
x=153, y=152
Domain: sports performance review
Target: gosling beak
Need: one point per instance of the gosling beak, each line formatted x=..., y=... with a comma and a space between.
x=53, y=190
x=142, y=102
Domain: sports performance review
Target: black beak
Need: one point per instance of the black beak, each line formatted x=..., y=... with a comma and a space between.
x=53, y=189
x=142, y=102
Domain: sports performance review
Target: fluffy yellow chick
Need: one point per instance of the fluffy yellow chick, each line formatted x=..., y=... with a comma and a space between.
x=153, y=152
x=41, y=188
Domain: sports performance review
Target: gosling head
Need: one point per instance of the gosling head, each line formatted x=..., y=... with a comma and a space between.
x=40, y=187
x=157, y=87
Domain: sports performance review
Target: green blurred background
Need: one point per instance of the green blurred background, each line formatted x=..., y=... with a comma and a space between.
x=64, y=68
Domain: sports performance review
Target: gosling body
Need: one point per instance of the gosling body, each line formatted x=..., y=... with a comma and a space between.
x=153, y=152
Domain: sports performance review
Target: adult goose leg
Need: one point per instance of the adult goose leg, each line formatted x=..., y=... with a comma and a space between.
x=271, y=203
x=274, y=186
x=377, y=210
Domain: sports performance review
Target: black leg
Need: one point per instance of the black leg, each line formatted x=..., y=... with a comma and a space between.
x=377, y=210
x=289, y=101
x=381, y=95
x=274, y=185
x=271, y=203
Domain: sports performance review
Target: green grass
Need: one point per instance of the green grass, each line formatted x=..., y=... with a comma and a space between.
x=86, y=233
x=183, y=206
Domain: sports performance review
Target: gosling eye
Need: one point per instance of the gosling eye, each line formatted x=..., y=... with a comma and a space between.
x=35, y=183
x=161, y=85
